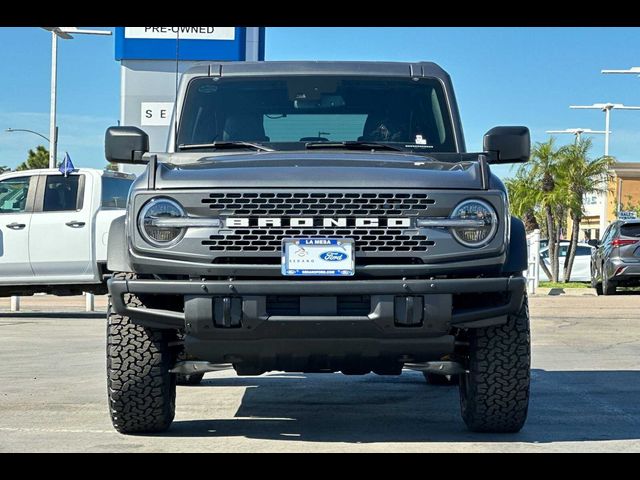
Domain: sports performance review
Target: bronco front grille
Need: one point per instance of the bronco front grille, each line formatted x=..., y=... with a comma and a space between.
x=317, y=205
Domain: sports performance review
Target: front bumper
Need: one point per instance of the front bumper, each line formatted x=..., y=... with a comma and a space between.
x=436, y=292
x=408, y=320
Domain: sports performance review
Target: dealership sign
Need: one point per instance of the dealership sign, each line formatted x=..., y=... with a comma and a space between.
x=188, y=43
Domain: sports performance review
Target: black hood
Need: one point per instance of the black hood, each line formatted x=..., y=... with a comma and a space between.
x=318, y=169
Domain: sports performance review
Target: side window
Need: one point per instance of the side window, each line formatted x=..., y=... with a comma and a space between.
x=115, y=192
x=562, y=251
x=13, y=194
x=61, y=193
x=583, y=251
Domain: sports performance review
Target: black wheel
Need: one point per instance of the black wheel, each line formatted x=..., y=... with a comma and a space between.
x=441, y=380
x=598, y=288
x=608, y=287
x=141, y=390
x=494, y=394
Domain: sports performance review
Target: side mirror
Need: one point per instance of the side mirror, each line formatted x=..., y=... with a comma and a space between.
x=125, y=144
x=507, y=144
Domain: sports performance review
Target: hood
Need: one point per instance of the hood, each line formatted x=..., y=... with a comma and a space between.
x=318, y=170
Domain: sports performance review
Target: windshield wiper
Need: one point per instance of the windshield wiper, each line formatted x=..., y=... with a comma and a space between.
x=353, y=145
x=226, y=146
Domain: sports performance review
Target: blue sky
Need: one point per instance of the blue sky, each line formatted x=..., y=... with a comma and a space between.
x=502, y=76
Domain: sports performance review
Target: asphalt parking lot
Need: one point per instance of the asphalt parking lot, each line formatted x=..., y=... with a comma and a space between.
x=585, y=394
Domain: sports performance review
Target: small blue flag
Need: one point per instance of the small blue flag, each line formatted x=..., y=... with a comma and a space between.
x=66, y=167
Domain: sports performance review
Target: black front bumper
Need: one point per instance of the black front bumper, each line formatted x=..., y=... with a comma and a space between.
x=436, y=293
x=229, y=322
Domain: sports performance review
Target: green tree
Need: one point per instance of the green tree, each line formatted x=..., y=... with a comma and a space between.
x=541, y=175
x=523, y=197
x=112, y=167
x=580, y=175
x=36, y=159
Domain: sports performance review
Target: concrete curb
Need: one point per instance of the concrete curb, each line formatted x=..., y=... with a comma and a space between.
x=570, y=292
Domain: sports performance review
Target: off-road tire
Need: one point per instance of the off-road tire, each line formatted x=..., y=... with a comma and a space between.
x=494, y=394
x=141, y=390
x=441, y=380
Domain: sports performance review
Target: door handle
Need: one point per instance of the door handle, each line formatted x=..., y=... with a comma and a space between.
x=74, y=224
x=16, y=226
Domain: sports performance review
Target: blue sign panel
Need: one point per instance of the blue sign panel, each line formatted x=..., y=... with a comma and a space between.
x=195, y=43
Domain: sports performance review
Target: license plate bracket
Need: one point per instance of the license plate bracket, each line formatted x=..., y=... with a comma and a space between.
x=318, y=257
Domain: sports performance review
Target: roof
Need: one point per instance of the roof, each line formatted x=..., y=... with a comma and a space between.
x=417, y=69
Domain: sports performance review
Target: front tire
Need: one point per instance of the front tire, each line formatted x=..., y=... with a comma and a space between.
x=494, y=394
x=141, y=390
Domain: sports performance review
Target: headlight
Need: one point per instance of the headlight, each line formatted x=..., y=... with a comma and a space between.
x=482, y=220
x=155, y=222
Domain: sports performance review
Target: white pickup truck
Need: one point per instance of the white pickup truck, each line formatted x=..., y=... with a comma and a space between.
x=54, y=229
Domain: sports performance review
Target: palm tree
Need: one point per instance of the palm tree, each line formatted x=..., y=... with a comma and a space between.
x=580, y=176
x=523, y=198
x=544, y=170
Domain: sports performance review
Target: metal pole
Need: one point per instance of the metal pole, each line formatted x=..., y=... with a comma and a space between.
x=89, y=302
x=605, y=195
x=15, y=303
x=607, y=118
x=52, y=125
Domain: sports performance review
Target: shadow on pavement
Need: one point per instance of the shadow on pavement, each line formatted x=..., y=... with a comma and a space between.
x=565, y=406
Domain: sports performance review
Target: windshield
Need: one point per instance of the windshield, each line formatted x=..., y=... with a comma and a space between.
x=285, y=113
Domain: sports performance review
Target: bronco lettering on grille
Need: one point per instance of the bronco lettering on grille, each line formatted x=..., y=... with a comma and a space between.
x=263, y=222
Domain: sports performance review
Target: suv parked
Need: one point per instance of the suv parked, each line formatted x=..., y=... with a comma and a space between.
x=616, y=259
x=318, y=217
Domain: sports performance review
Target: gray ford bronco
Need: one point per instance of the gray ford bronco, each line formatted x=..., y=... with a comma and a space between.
x=317, y=217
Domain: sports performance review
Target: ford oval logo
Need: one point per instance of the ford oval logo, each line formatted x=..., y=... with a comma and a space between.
x=333, y=256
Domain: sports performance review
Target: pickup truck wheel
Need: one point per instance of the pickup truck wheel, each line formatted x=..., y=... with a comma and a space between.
x=494, y=394
x=441, y=380
x=141, y=389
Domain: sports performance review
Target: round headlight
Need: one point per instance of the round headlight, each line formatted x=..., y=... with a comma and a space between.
x=152, y=227
x=483, y=223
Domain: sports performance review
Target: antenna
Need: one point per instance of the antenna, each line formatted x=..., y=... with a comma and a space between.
x=175, y=104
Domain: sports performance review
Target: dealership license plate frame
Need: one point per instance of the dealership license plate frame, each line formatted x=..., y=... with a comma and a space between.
x=314, y=247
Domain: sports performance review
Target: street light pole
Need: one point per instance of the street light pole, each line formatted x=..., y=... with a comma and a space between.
x=577, y=132
x=53, y=144
x=606, y=108
x=11, y=130
x=630, y=71
x=64, y=33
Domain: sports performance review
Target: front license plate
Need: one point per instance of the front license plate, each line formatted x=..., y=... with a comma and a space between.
x=318, y=256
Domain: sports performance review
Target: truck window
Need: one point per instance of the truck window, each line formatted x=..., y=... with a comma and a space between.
x=115, y=191
x=286, y=112
x=61, y=194
x=13, y=194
